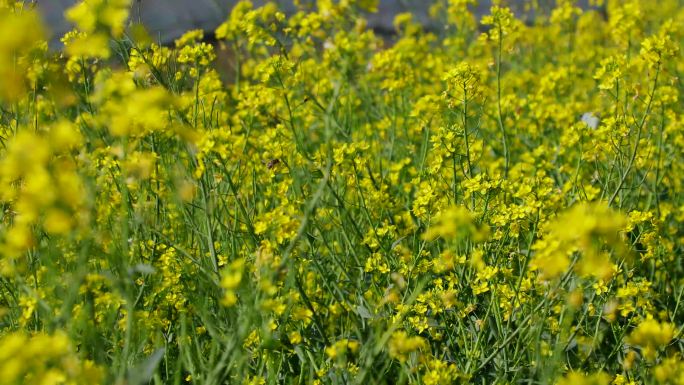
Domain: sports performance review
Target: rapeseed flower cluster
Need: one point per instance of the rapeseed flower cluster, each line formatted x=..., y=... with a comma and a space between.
x=301, y=200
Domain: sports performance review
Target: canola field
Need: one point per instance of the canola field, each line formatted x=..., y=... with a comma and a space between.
x=495, y=201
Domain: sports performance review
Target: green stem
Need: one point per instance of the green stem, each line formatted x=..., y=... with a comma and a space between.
x=498, y=104
x=638, y=138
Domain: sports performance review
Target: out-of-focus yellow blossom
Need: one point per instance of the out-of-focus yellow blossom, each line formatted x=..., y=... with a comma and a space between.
x=456, y=223
x=585, y=228
x=564, y=12
x=341, y=347
x=401, y=345
x=669, y=371
x=651, y=335
x=579, y=378
x=44, y=359
x=255, y=380
x=439, y=372
x=91, y=15
x=625, y=21
x=126, y=110
x=295, y=337
x=21, y=33
x=230, y=281
x=97, y=20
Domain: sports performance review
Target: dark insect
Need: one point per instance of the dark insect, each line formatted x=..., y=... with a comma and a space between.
x=272, y=163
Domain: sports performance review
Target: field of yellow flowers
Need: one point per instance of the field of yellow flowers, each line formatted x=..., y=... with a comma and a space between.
x=496, y=201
